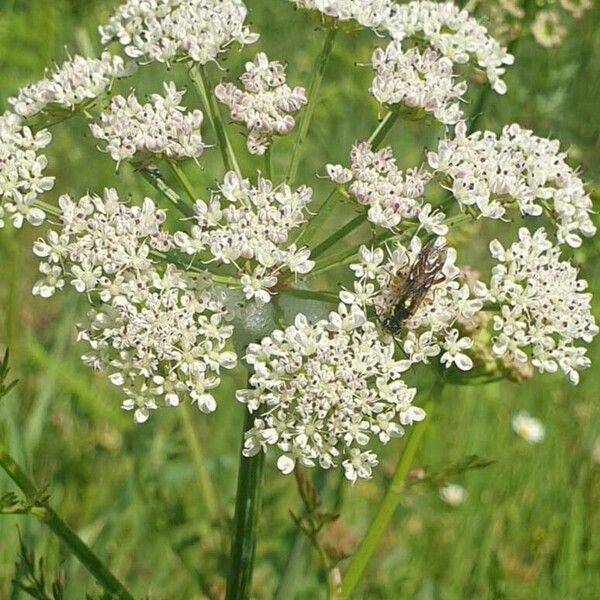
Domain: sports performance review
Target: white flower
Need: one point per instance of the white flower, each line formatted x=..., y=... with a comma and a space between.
x=391, y=195
x=453, y=494
x=77, y=80
x=164, y=30
x=543, y=306
x=22, y=177
x=453, y=346
x=527, y=427
x=418, y=80
x=266, y=103
x=249, y=227
x=159, y=127
x=158, y=332
x=322, y=391
x=547, y=29
x=489, y=172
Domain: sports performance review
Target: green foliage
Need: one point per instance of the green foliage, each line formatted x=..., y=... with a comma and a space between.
x=132, y=492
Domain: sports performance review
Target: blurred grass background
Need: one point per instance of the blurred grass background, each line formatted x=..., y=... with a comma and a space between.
x=530, y=526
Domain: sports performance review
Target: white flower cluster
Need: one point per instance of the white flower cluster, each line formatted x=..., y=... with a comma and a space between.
x=77, y=80
x=419, y=80
x=323, y=390
x=265, y=105
x=158, y=331
x=489, y=171
x=159, y=127
x=444, y=27
x=248, y=227
x=22, y=168
x=391, y=195
x=542, y=306
x=164, y=30
x=431, y=328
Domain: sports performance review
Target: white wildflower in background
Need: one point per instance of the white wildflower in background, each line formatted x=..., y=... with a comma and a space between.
x=321, y=392
x=532, y=430
x=547, y=29
x=490, y=172
x=158, y=332
x=76, y=81
x=543, y=308
x=266, y=103
x=160, y=127
x=418, y=80
x=165, y=30
x=22, y=167
x=391, y=195
x=430, y=329
x=453, y=494
x=248, y=226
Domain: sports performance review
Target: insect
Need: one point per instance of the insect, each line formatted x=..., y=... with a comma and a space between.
x=422, y=275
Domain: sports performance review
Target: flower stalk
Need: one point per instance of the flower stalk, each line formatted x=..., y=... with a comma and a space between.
x=36, y=506
x=204, y=87
x=313, y=92
x=245, y=523
x=390, y=502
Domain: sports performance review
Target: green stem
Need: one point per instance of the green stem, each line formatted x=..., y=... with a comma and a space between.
x=183, y=181
x=247, y=509
x=313, y=92
x=312, y=295
x=49, y=517
x=325, y=210
x=204, y=87
x=154, y=178
x=338, y=235
x=206, y=487
x=268, y=165
x=388, y=506
x=383, y=128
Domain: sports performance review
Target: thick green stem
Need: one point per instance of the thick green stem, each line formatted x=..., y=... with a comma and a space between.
x=48, y=516
x=247, y=509
x=383, y=128
x=206, y=487
x=388, y=506
x=204, y=87
x=313, y=92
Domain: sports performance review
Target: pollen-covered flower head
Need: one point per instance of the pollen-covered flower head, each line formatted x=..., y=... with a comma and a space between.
x=165, y=30
x=159, y=332
x=158, y=128
x=543, y=308
x=490, y=172
x=417, y=294
x=422, y=81
x=322, y=391
x=248, y=226
x=392, y=195
x=265, y=104
x=76, y=81
x=22, y=177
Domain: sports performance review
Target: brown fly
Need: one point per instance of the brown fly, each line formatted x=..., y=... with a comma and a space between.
x=425, y=272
